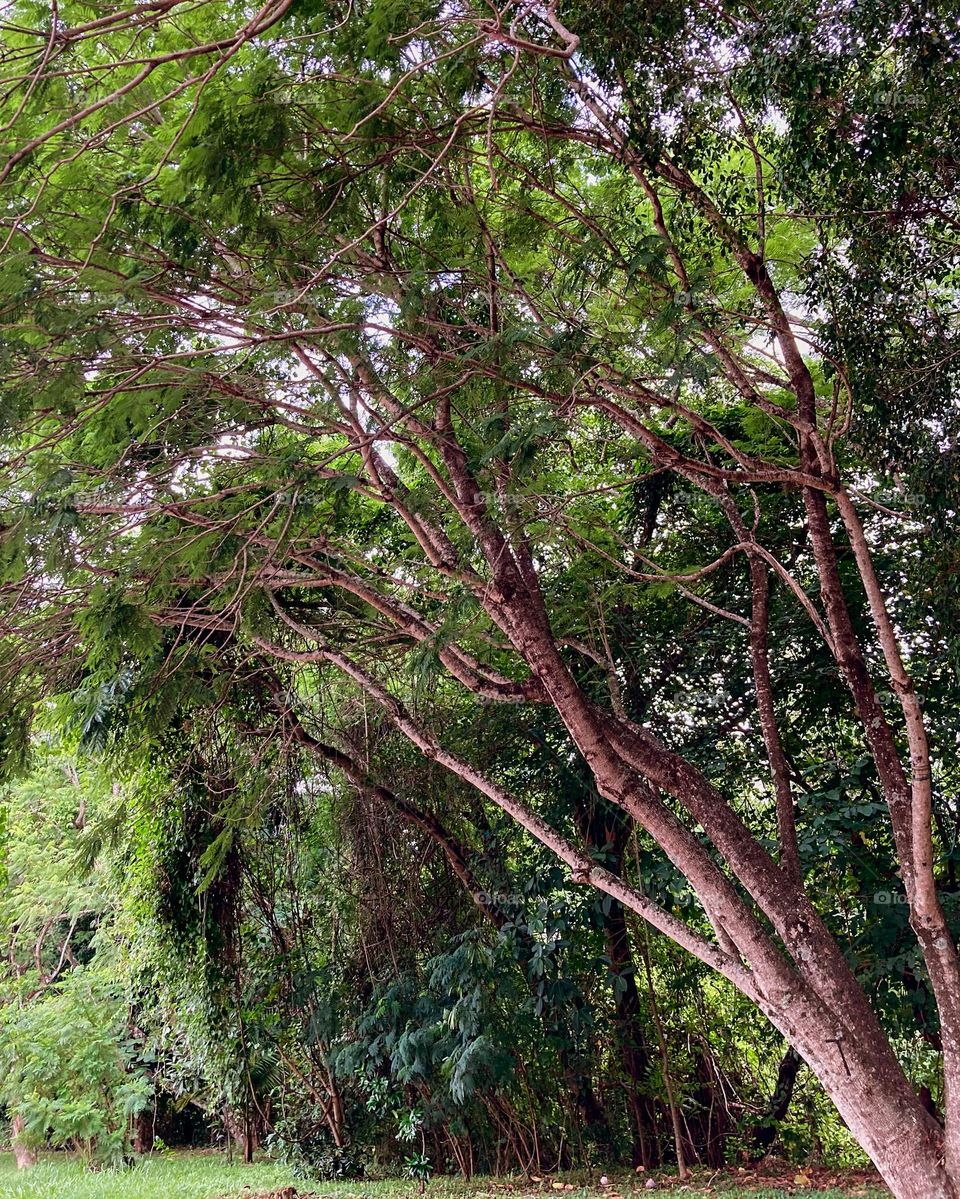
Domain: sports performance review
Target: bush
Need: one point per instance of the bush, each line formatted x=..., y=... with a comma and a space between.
x=66, y=1069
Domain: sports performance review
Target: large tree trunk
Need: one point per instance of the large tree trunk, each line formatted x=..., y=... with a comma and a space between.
x=878, y=1104
x=23, y=1156
x=813, y=998
x=800, y=980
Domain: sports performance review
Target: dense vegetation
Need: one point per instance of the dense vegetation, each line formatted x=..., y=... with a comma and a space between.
x=334, y=994
x=478, y=583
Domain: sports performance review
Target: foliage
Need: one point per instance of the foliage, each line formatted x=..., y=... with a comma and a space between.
x=70, y=1064
x=68, y=1070
x=453, y=455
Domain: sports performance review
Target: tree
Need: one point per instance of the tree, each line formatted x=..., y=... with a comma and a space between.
x=70, y=1074
x=434, y=358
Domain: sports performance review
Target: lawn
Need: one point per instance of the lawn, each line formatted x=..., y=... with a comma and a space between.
x=170, y=1176
x=209, y=1176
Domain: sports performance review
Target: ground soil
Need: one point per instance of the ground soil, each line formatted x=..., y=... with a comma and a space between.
x=767, y=1178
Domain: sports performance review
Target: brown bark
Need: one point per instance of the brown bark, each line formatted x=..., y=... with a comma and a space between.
x=143, y=1132
x=24, y=1156
x=241, y=1129
x=909, y=800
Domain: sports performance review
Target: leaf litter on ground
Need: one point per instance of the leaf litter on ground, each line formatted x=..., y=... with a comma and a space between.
x=773, y=1179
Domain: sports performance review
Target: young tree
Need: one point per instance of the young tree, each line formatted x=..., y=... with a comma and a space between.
x=346, y=349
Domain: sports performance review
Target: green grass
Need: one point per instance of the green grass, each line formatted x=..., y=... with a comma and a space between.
x=170, y=1176
x=208, y=1176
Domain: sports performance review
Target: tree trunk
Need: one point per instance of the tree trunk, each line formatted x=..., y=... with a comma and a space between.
x=241, y=1131
x=143, y=1131
x=633, y=1052
x=611, y=834
x=816, y=1001
x=23, y=1156
x=766, y=1130
x=877, y=1103
x=793, y=970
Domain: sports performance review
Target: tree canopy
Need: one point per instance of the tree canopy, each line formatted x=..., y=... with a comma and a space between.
x=542, y=413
